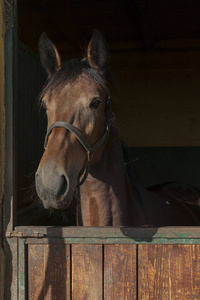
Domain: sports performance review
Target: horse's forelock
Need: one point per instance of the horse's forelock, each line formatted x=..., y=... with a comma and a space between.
x=69, y=72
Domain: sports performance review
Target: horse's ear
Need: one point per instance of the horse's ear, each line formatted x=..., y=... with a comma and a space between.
x=97, y=51
x=49, y=55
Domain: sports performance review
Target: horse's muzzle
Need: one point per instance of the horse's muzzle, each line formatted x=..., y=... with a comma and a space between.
x=52, y=189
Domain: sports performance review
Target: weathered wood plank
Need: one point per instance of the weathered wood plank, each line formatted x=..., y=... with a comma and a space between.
x=36, y=270
x=49, y=272
x=108, y=241
x=86, y=272
x=143, y=234
x=120, y=272
x=21, y=269
x=169, y=272
x=11, y=269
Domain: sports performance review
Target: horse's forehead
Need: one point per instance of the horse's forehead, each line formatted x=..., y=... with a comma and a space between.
x=79, y=89
x=83, y=87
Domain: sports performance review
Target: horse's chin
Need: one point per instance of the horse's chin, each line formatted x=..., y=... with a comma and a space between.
x=57, y=206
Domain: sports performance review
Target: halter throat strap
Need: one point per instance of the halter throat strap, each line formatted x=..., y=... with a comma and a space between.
x=89, y=149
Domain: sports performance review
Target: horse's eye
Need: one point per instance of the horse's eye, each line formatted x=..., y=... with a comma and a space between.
x=95, y=103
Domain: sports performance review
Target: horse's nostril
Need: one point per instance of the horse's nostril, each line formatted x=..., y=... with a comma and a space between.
x=63, y=186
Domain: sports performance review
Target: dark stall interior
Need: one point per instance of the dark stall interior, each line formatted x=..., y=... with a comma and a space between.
x=155, y=57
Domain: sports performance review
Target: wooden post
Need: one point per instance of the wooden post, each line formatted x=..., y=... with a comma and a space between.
x=2, y=118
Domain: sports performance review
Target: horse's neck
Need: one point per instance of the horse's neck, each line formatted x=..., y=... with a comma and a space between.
x=106, y=196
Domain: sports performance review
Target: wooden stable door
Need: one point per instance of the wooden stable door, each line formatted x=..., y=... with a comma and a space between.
x=108, y=263
x=113, y=272
x=169, y=272
x=81, y=271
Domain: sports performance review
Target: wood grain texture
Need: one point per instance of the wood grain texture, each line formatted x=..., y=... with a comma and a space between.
x=136, y=235
x=86, y=272
x=120, y=272
x=169, y=272
x=49, y=272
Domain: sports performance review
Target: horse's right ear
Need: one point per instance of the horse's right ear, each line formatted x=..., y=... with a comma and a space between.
x=49, y=55
x=97, y=51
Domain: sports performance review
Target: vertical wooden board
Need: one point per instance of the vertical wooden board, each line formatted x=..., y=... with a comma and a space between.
x=22, y=269
x=120, y=270
x=11, y=269
x=36, y=270
x=169, y=272
x=86, y=272
x=49, y=272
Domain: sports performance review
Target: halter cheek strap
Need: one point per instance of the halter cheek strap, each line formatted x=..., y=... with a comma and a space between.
x=89, y=149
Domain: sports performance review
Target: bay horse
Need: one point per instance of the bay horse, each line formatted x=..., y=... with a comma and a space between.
x=83, y=157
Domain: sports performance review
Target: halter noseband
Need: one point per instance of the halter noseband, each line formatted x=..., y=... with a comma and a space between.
x=90, y=149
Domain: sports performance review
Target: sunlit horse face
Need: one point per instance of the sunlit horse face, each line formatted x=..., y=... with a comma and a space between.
x=75, y=94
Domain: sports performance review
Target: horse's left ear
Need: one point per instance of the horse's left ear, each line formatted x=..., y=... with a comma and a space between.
x=97, y=51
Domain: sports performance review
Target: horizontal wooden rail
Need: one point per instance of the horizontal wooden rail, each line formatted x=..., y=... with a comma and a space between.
x=108, y=235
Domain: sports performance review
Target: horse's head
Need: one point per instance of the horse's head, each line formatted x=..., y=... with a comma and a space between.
x=76, y=102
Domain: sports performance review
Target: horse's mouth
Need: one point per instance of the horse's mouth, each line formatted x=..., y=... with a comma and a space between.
x=56, y=205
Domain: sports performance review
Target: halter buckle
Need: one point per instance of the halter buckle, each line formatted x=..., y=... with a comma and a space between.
x=90, y=154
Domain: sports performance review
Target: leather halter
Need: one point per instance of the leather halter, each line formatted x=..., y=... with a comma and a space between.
x=89, y=149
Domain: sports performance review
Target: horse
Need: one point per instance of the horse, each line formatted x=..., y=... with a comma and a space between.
x=83, y=159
